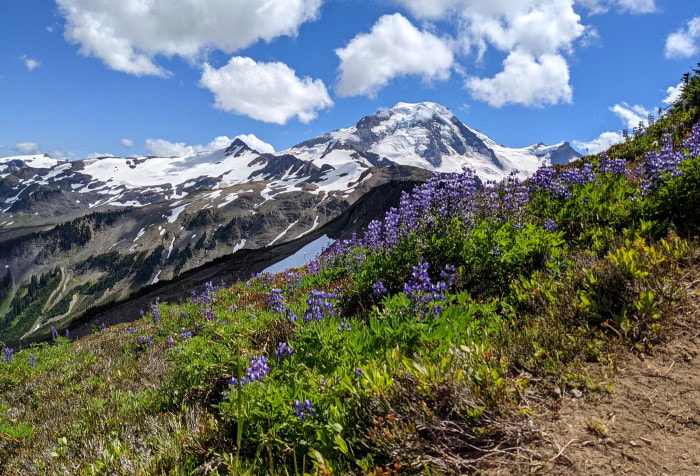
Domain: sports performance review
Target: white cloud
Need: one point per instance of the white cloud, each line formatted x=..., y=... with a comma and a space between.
x=685, y=42
x=97, y=155
x=33, y=148
x=30, y=63
x=127, y=34
x=164, y=148
x=631, y=116
x=603, y=142
x=28, y=148
x=128, y=143
x=394, y=47
x=269, y=92
x=628, y=6
x=534, y=34
x=525, y=80
x=673, y=93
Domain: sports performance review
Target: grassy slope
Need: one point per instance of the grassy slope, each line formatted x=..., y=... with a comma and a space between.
x=390, y=391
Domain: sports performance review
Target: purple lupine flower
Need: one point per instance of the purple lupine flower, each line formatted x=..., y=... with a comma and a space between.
x=8, y=355
x=449, y=274
x=209, y=314
x=169, y=342
x=291, y=317
x=67, y=334
x=319, y=304
x=256, y=371
x=132, y=331
x=54, y=333
x=283, y=350
x=32, y=361
x=422, y=291
x=275, y=301
x=185, y=334
x=303, y=409
x=549, y=225
x=378, y=288
x=358, y=372
x=144, y=341
x=344, y=326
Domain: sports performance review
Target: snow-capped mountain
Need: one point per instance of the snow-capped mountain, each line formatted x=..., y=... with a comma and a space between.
x=429, y=136
x=97, y=230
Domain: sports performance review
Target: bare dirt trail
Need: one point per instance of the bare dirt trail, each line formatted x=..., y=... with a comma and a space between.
x=650, y=423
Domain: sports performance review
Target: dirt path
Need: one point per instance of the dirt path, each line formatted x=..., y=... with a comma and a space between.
x=649, y=424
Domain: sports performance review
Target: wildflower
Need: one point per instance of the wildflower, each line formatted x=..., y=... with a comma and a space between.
x=319, y=304
x=67, y=334
x=209, y=314
x=169, y=342
x=378, y=288
x=9, y=354
x=358, y=372
x=303, y=409
x=32, y=361
x=256, y=371
x=283, y=349
x=132, y=331
x=185, y=334
x=54, y=333
x=550, y=225
x=144, y=341
x=275, y=301
x=344, y=326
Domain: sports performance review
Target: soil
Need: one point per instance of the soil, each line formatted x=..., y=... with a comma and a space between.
x=649, y=424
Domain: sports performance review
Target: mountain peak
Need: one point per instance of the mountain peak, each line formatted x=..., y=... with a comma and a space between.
x=253, y=143
x=417, y=112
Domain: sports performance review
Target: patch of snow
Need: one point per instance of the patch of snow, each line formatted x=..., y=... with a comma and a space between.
x=302, y=256
x=175, y=212
x=239, y=245
x=282, y=234
x=313, y=227
x=157, y=277
x=140, y=234
x=170, y=248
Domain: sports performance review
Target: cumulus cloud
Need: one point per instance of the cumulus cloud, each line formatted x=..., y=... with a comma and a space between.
x=394, y=47
x=631, y=116
x=28, y=148
x=526, y=80
x=127, y=35
x=269, y=92
x=30, y=63
x=33, y=148
x=673, y=93
x=534, y=34
x=685, y=42
x=628, y=6
x=97, y=155
x=128, y=143
x=601, y=143
x=164, y=148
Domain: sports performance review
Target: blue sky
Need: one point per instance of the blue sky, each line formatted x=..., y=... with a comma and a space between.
x=80, y=78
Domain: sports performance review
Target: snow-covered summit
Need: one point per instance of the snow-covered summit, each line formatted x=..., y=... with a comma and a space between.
x=430, y=136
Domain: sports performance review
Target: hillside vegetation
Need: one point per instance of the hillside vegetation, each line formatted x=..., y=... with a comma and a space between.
x=423, y=346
